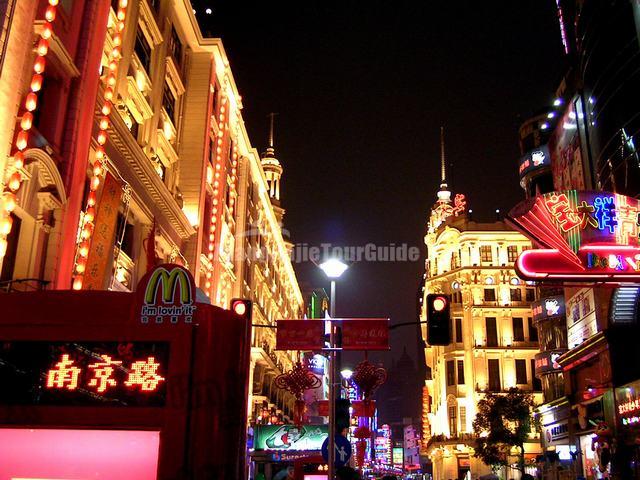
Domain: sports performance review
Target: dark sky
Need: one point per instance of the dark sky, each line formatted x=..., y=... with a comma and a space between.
x=361, y=89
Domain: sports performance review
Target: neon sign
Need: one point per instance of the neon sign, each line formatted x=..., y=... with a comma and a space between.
x=142, y=373
x=585, y=235
x=84, y=373
x=534, y=160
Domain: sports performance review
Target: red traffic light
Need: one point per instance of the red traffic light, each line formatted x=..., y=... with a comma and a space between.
x=439, y=304
x=239, y=307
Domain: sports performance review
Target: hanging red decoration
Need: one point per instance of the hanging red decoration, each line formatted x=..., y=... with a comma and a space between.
x=368, y=378
x=99, y=162
x=296, y=381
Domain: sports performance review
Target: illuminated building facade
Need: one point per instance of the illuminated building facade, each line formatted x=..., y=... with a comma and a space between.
x=123, y=146
x=588, y=138
x=493, y=338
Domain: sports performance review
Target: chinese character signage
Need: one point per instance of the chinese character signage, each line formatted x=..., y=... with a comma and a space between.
x=586, y=236
x=534, y=160
x=365, y=334
x=101, y=250
x=548, y=307
x=300, y=335
x=546, y=362
x=628, y=403
x=166, y=295
x=83, y=373
x=581, y=317
x=290, y=437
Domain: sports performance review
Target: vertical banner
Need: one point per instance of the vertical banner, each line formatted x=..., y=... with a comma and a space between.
x=104, y=230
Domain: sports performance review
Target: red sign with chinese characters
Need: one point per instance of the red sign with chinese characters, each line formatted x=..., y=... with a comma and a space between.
x=101, y=375
x=365, y=334
x=105, y=227
x=300, y=335
x=84, y=373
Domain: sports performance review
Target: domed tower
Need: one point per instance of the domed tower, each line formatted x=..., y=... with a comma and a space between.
x=273, y=172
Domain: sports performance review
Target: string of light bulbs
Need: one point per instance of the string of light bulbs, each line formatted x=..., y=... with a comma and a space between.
x=88, y=216
x=9, y=197
x=215, y=200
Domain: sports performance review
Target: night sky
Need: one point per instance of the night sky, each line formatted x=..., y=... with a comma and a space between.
x=361, y=90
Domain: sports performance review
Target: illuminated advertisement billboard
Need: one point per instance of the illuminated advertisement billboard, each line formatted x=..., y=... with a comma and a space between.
x=290, y=437
x=84, y=373
x=585, y=235
x=534, y=160
x=564, y=150
x=548, y=307
x=582, y=321
x=39, y=454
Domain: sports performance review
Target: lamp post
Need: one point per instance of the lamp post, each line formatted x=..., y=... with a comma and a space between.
x=333, y=268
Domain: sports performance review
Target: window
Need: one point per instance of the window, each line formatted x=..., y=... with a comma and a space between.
x=124, y=231
x=533, y=331
x=463, y=419
x=460, y=368
x=169, y=103
x=485, y=253
x=492, y=332
x=453, y=421
x=531, y=294
x=516, y=294
x=456, y=297
x=494, y=375
x=489, y=294
x=521, y=372
x=175, y=47
x=518, y=329
x=512, y=253
x=10, y=256
x=537, y=384
x=143, y=50
x=458, y=322
x=451, y=373
x=455, y=260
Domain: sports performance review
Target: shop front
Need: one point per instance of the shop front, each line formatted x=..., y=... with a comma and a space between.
x=628, y=409
x=145, y=385
x=280, y=449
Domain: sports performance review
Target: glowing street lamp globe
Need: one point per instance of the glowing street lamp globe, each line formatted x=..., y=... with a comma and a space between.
x=333, y=268
x=346, y=373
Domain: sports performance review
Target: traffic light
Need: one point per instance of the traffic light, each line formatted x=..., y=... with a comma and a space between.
x=242, y=307
x=438, y=319
x=343, y=417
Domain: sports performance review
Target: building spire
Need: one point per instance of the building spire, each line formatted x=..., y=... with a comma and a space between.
x=271, y=119
x=443, y=167
x=444, y=195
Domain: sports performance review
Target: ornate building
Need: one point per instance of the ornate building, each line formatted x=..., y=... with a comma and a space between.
x=122, y=146
x=494, y=340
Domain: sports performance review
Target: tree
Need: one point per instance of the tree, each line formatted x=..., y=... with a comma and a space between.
x=503, y=422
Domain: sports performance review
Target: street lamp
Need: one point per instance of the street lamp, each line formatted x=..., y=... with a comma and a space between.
x=346, y=373
x=333, y=268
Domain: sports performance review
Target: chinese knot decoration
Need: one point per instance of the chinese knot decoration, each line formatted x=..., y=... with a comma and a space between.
x=362, y=433
x=368, y=378
x=296, y=381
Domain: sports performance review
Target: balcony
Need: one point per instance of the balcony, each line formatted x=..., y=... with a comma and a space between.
x=23, y=285
x=465, y=438
x=505, y=343
x=123, y=276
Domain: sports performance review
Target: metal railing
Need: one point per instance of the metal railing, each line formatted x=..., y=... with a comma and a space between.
x=23, y=285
